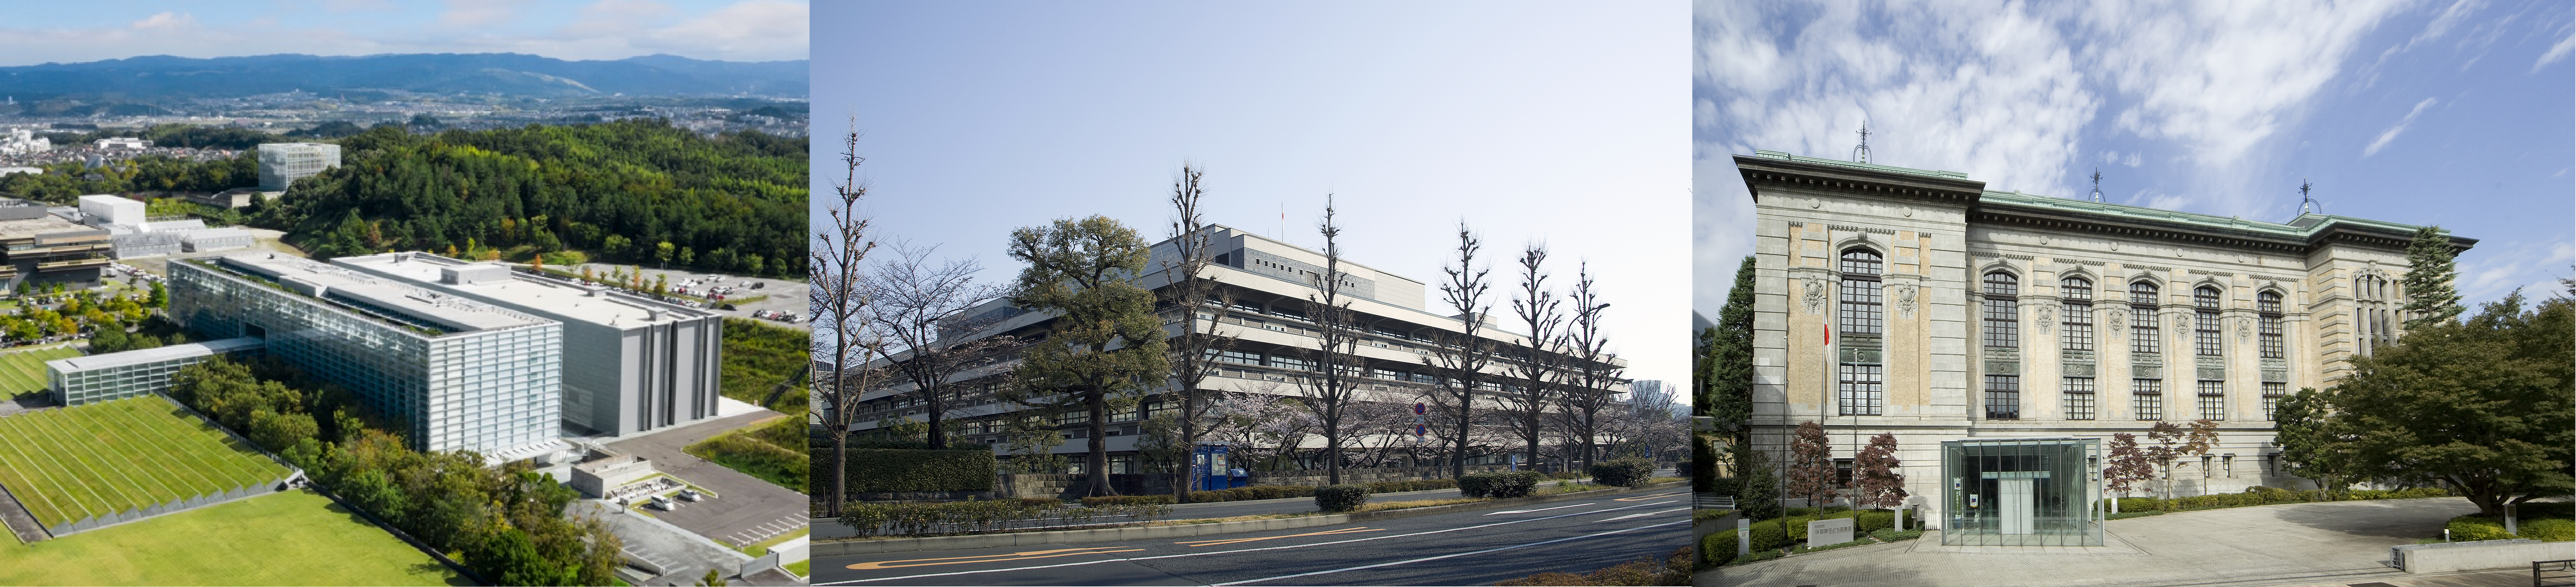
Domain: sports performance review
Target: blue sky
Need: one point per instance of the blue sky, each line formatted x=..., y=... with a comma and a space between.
x=2460, y=113
x=727, y=30
x=1529, y=121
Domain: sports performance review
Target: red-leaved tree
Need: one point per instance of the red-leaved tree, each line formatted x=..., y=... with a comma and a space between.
x=1811, y=464
x=2128, y=466
x=1874, y=472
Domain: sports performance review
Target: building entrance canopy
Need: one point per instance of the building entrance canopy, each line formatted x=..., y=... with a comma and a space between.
x=2022, y=492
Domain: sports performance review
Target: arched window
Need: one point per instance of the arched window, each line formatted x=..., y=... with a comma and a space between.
x=2077, y=294
x=2002, y=310
x=2204, y=324
x=2267, y=309
x=1863, y=315
x=2142, y=319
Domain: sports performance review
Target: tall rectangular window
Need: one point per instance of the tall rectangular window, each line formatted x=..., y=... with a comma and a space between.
x=2213, y=400
x=2077, y=293
x=2142, y=319
x=2204, y=323
x=1864, y=390
x=2267, y=308
x=1863, y=311
x=2003, y=397
x=2149, y=397
x=2002, y=311
x=2272, y=398
x=2079, y=398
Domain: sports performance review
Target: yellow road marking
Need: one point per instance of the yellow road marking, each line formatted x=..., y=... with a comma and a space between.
x=924, y=562
x=1243, y=540
x=1647, y=497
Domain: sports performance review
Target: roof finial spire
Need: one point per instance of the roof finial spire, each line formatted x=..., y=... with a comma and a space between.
x=2097, y=184
x=1860, y=154
x=2306, y=203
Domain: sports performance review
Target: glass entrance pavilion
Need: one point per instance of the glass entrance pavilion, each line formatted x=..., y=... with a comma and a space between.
x=2022, y=492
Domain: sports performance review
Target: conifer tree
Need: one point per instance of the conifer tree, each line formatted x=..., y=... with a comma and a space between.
x=2429, y=273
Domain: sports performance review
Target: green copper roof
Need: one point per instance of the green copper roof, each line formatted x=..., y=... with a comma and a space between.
x=1855, y=165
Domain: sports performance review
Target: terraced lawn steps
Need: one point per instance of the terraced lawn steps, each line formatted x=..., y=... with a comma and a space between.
x=284, y=538
x=23, y=371
x=84, y=467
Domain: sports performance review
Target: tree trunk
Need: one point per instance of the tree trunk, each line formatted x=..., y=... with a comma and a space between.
x=1189, y=441
x=1332, y=452
x=840, y=470
x=1098, y=453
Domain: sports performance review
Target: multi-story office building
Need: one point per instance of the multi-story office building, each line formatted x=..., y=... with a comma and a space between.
x=280, y=164
x=97, y=378
x=1918, y=303
x=1268, y=284
x=462, y=374
x=630, y=364
x=36, y=246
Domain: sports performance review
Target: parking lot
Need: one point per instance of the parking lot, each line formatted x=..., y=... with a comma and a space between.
x=745, y=510
x=766, y=295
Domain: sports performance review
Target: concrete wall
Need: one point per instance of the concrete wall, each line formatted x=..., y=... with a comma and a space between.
x=2484, y=557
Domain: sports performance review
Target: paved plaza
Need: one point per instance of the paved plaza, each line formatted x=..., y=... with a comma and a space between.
x=2337, y=543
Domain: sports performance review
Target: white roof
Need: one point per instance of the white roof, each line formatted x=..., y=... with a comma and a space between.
x=557, y=297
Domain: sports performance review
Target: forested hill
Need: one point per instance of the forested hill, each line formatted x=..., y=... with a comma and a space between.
x=733, y=202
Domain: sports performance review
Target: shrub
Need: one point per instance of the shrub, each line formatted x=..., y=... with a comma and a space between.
x=1766, y=536
x=1126, y=500
x=2545, y=509
x=2137, y=504
x=2548, y=529
x=1892, y=535
x=1417, y=485
x=2474, y=527
x=1718, y=548
x=1563, y=475
x=873, y=469
x=1874, y=520
x=1499, y=485
x=1797, y=526
x=2127, y=515
x=1341, y=498
x=1624, y=471
x=1475, y=484
x=1798, y=512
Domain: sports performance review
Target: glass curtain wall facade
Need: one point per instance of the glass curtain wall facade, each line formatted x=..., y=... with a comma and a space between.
x=482, y=390
x=98, y=378
x=2022, y=492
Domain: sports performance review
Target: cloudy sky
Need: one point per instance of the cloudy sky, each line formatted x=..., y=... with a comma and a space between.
x=2460, y=113
x=1529, y=121
x=725, y=30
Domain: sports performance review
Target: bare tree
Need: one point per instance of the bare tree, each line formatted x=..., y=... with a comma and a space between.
x=1190, y=291
x=1593, y=374
x=1538, y=309
x=1334, y=384
x=921, y=307
x=842, y=342
x=1461, y=358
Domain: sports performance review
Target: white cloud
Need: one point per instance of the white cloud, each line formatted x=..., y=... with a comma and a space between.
x=743, y=30
x=2391, y=133
x=478, y=13
x=2493, y=269
x=166, y=23
x=2566, y=45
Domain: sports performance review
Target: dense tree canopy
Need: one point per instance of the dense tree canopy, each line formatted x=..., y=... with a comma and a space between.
x=734, y=202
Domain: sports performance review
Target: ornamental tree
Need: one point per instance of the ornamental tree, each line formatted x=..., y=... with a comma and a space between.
x=2478, y=406
x=1874, y=471
x=2127, y=466
x=2429, y=273
x=1811, y=464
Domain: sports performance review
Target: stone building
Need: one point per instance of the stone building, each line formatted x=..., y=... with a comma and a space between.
x=1921, y=304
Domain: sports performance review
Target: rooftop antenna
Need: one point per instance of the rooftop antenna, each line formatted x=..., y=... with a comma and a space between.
x=2097, y=185
x=1861, y=153
x=2306, y=203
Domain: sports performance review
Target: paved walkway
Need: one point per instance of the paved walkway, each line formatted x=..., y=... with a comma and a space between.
x=747, y=509
x=2338, y=543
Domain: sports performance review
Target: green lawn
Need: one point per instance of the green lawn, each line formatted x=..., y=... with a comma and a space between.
x=292, y=538
x=95, y=459
x=757, y=356
x=24, y=371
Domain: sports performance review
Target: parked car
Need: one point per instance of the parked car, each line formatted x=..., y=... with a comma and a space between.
x=663, y=503
x=689, y=495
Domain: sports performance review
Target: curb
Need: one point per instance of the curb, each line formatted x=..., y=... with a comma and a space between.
x=822, y=549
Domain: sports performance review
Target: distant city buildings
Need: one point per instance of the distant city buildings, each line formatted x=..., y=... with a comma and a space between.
x=23, y=141
x=280, y=164
x=122, y=143
x=135, y=236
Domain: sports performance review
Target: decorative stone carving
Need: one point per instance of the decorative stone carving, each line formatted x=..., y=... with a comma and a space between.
x=2244, y=331
x=2045, y=320
x=1904, y=299
x=1815, y=296
x=2182, y=323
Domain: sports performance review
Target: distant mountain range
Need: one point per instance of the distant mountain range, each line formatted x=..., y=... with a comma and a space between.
x=442, y=73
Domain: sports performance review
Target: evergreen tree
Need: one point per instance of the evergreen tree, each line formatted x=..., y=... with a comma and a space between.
x=2479, y=406
x=1106, y=341
x=1730, y=358
x=1757, y=489
x=2429, y=273
x=2299, y=427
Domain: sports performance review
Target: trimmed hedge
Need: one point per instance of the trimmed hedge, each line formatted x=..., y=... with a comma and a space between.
x=1417, y=485
x=1766, y=536
x=1623, y=471
x=2127, y=515
x=1873, y=520
x=1112, y=500
x=2549, y=529
x=885, y=469
x=2259, y=495
x=2475, y=527
x=1341, y=498
x=1501, y=485
x=1289, y=491
x=1718, y=548
x=1893, y=535
x=972, y=516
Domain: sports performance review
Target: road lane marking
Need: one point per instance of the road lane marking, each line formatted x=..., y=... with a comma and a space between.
x=1434, y=558
x=1647, y=497
x=1639, y=515
x=1239, y=550
x=1537, y=510
x=1226, y=541
x=959, y=560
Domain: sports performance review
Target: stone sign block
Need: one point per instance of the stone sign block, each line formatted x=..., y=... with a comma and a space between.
x=1824, y=532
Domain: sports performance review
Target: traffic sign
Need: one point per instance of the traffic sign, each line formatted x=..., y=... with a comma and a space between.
x=1417, y=408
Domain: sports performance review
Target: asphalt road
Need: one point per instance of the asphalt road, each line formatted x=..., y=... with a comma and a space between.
x=1476, y=547
x=826, y=528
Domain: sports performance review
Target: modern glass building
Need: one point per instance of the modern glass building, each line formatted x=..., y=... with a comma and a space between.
x=463, y=374
x=97, y=378
x=2022, y=492
x=280, y=164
